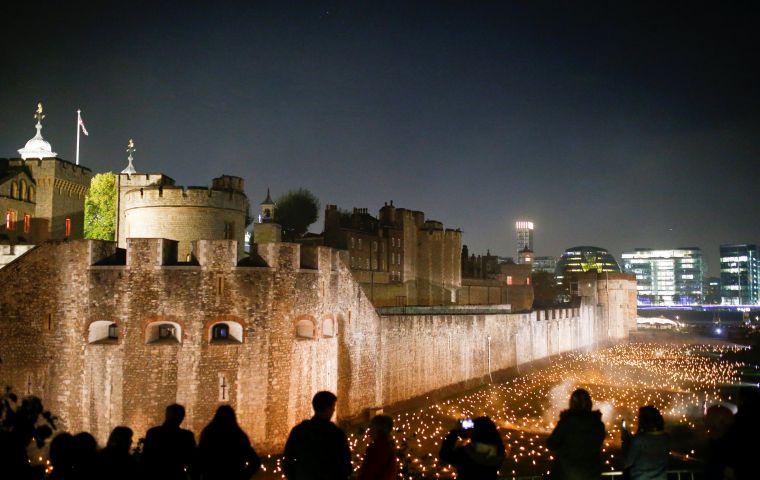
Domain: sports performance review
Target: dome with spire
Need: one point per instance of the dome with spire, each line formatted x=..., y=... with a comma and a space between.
x=37, y=147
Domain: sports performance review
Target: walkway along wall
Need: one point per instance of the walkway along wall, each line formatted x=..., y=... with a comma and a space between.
x=109, y=337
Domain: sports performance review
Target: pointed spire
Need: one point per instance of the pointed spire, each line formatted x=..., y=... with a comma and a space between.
x=268, y=200
x=267, y=209
x=130, y=170
x=37, y=147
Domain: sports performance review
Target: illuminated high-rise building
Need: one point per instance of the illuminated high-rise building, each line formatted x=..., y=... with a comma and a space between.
x=666, y=277
x=584, y=259
x=739, y=280
x=524, y=236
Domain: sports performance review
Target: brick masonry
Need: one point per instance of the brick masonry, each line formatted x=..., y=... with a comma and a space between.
x=304, y=323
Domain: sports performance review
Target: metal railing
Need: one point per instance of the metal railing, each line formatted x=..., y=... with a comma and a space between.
x=672, y=475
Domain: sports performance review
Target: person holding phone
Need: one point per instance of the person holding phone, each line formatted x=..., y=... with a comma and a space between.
x=481, y=457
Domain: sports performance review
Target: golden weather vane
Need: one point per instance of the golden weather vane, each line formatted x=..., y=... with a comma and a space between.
x=38, y=115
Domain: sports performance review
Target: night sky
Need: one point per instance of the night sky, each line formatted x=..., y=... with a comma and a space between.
x=614, y=124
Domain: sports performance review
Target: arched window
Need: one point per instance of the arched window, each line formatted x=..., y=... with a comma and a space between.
x=163, y=332
x=102, y=331
x=14, y=190
x=166, y=330
x=220, y=331
x=328, y=327
x=22, y=190
x=226, y=332
x=10, y=220
x=305, y=328
x=30, y=194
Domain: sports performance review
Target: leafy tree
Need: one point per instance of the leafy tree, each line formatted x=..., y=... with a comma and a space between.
x=545, y=290
x=295, y=211
x=100, y=208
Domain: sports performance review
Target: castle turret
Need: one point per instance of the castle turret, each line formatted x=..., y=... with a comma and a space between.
x=266, y=230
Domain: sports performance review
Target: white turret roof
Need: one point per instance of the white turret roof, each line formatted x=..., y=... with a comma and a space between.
x=37, y=147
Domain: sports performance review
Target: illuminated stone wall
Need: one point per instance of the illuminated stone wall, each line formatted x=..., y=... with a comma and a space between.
x=60, y=188
x=304, y=324
x=159, y=209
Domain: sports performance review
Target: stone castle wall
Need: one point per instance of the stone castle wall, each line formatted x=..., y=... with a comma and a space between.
x=304, y=325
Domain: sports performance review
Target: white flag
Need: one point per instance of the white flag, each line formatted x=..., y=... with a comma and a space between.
x=81, y=124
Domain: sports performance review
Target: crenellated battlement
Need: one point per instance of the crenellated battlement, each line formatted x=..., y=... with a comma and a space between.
x=172, y=196
x=144, y=179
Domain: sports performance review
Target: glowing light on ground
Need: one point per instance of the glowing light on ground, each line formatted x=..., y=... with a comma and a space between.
x=679, y=380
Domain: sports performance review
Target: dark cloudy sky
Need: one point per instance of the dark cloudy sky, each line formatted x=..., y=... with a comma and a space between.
x=607, y=123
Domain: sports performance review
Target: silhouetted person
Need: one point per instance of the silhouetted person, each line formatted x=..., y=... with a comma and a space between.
x=718, y=422
x=577, y=440
x=380, y=458
x=61, y=455
x=116, y=460
x=317, y=448
x=743, y=436
x=647, y=452
x=169, y=451
x=224, y=450
x=479, y=459
x=85, y=457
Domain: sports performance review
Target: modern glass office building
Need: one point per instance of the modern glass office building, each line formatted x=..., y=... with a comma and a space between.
x=667, y=277
x=739, y=274
x=584, y=259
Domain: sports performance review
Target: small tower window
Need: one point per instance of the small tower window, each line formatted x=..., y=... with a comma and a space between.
x=22, y=190
x=226, y=332
x=68, y=227
x=102, y=332
x=30, y=196
x=10, y=220
x=166, y=330
x=14, y=190
x=305, y=329
x=229, y=230
x=163, y=332
x=221, y=331
x=27, y=223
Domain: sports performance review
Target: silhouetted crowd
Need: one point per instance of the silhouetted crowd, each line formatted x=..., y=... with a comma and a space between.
x=317, y=449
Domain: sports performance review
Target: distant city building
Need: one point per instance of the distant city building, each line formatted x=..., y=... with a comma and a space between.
x=524, y=236
x=544, y=264
x=739, y=274
x=584, y=259
x=666, y=277
x=711, y=291
x=525, y=256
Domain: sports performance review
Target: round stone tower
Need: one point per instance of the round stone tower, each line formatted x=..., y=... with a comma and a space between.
x=187, y=214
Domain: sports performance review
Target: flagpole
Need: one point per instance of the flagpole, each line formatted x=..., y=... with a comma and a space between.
x=79, y=121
